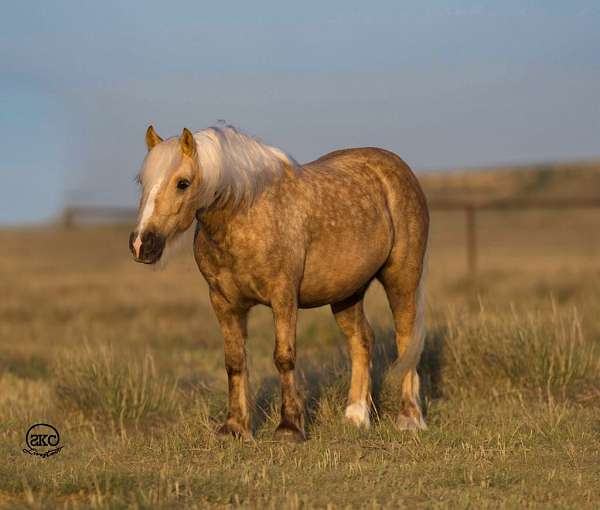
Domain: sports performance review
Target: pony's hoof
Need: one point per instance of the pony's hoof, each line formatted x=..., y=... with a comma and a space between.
x=289, y=433
x=358, y=414
x=233, y=429
x=411, y=423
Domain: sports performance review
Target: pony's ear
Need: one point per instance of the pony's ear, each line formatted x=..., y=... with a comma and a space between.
x=152, y=138
x=187, y=143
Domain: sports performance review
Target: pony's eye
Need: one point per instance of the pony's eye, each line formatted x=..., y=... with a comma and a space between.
x=183, y=184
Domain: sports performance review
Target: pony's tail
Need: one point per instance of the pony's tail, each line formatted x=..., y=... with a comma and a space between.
x=411, y=356
x=411, y=415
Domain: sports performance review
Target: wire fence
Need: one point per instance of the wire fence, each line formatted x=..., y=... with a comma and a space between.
x=73, y=216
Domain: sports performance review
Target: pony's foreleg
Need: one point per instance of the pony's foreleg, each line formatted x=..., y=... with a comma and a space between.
x=285, y=313
x=351, y=320
x=233, y=323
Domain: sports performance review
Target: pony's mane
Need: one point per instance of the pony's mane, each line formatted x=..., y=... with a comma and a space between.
x=236, y=167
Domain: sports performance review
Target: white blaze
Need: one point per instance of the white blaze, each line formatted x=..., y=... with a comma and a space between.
x=137, y=244
x=146, y=215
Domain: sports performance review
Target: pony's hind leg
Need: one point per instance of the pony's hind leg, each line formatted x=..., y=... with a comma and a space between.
x=407, y=309
x=350, y=317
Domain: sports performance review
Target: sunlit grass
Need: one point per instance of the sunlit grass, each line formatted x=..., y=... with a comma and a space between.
x=496, y=352
x=100, y=385
x=128, y=365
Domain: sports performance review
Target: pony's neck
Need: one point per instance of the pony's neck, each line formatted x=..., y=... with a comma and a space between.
x=215, y=217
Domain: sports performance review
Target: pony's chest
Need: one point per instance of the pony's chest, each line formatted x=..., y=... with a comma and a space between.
x=238, y=266
x=211, y=252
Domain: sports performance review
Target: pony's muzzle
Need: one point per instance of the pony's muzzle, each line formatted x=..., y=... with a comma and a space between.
x=146, y=248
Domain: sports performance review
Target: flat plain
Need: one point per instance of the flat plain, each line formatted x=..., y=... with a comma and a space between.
x=126, y=362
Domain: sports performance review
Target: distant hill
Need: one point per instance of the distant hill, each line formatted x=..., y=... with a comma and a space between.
x=561, y=180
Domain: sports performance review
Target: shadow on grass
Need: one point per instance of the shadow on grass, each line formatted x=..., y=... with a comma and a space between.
x=327, y=381
x=26, y=367
x=430, y=366
x=264, y=401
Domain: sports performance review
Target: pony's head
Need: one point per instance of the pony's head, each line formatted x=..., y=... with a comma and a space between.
x=170, y=181
x=215, y=166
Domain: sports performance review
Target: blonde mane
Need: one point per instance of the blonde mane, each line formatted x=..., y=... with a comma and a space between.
x=235, y=167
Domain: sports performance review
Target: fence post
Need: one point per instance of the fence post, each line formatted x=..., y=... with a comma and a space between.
x=471, y=242
x=68, y=217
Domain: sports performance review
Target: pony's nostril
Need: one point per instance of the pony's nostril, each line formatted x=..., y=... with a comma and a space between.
x=150, y=241
x=149, y=246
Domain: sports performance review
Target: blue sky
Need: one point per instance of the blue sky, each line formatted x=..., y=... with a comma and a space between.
x=444, y=84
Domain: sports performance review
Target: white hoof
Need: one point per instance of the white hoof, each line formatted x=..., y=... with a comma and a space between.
x=358, y=413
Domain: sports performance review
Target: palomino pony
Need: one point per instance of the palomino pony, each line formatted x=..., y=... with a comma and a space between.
x=272, y=232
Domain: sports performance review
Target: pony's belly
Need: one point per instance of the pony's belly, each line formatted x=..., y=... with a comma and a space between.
x=316, y=298
x=333, y=278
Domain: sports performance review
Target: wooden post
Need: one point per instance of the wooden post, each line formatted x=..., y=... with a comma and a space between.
x=471, y=242
x=68, y=217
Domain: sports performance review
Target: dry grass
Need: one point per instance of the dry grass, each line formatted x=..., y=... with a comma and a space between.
x=537, y=351
x=101, y=387
x=126, y=362
x=559, y=180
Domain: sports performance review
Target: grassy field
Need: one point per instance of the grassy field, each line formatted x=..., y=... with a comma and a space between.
x=126, y=362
